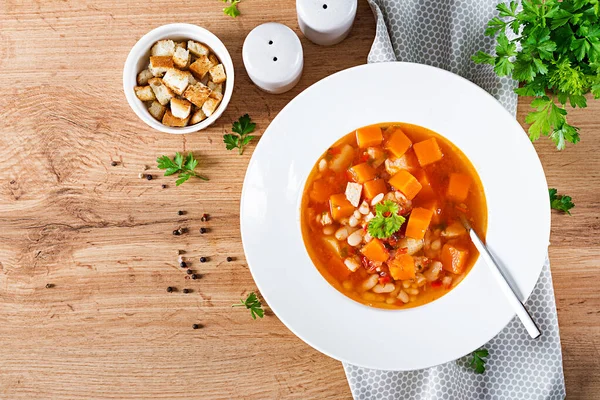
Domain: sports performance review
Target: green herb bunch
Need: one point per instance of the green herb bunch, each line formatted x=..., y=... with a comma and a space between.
x=558, y=63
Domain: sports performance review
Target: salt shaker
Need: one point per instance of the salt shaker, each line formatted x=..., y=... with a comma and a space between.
x=273, y=57
x=326, y=22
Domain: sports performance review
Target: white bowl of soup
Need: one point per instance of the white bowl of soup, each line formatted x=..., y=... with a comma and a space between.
x=410, y=147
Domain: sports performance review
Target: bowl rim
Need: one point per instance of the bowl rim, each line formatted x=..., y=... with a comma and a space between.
x=143, y=45
x=322, y=340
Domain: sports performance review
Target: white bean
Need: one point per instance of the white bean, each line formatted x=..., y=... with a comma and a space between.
x=352, y=264
x=370, y=282
x=364, y=208
x=377, y=199
x=405, y=284
x=342, y=233
x=355, y=238
x=322, y=165
x=328, y=230
x=387, y=288
x=390, y=300
x=369, y=217
x=403, y=297
x=436, y=244
x=353, y=221
x=357, y=214
x=367, y=238
x=412, y=291
x=447, y=280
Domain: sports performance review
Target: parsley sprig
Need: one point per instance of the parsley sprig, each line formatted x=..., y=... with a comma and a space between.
x=560, y=202
x=231, y=9
x=478, y=361
x=240, y=136
x=558, y=62
x=253, y=304
x=386, y=221
x=185, y=167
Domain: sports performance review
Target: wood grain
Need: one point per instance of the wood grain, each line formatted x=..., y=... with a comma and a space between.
x=108, y=329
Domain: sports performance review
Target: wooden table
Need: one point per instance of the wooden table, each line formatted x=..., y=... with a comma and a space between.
x=103, y=237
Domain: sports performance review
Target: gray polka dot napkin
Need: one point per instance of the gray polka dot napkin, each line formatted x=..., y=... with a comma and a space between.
x=445, y=33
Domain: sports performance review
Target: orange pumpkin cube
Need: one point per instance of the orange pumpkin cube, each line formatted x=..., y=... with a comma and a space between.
x=362, y=172
x=402, y=267
x=418, y=222
x=406, y=183
x=369, y=136
x=454, y=258
x=340, y=207
x=374, y=187
x=434, y=206
x=428, y=151
x=426, y=190
x=375, y=251
x=398, y=143
x=458, y=187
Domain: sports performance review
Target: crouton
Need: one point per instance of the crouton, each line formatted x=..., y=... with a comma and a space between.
x=353, y=192
x=181, y=58
x=176, y=80
x=197, y=94
x=210, y=105
x=213, y=60
x=182, y=45
x=197, y=49
x=200, y=67
x=170, y=120
x=180, y=108
x=144, y=93
x=142, y=78
x=157, y=110
x=163, y=93
x=160, y=64
x=163, y=48
x=217, y=73
x=215, y=87
x=191, y=79
x=197, y=116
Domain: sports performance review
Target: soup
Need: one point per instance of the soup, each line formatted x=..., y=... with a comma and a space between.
x=381, y=215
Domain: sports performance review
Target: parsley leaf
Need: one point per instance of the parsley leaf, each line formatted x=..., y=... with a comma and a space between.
x=558, y=57
x=240, y=137
x=478, y=361
x=253, y=304
x=387, y=221
x=185, y=167
x=560, y=202
x=232, y=9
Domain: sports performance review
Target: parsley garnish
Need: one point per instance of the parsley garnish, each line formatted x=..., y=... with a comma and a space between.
x=253, y=304
x=240, y=138
x=560, y=202
x=479, y=360
x=386, y=221
x=232, y=9
x=558, y=62
x=185, y=168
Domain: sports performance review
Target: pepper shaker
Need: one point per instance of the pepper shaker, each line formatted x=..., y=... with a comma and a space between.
x=273, y=57
x=326, y=22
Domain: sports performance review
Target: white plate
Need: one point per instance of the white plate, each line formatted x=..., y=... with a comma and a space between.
x=517, y=200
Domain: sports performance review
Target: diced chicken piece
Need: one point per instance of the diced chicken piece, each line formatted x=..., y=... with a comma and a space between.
x=454, y=230
x=353, y=192
x=326, y=218
x=376, y=155
x=394, y=165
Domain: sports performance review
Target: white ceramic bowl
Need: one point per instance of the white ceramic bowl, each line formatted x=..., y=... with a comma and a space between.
x=445, y=329
x=138, y=59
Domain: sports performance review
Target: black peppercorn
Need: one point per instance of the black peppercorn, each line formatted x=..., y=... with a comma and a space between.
x=186, y=291
x=170, y=289
x=203, y=230
x=149, y=177
x=229, y=259
x=194, y=276
x=203, y=259
x=195, y=326
x=179, y=212
x=113, y=163
x=176, y=232
x=163, y=186
x=49, y=285
x=183, y=264
x=204, y=218
x=189, y=272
